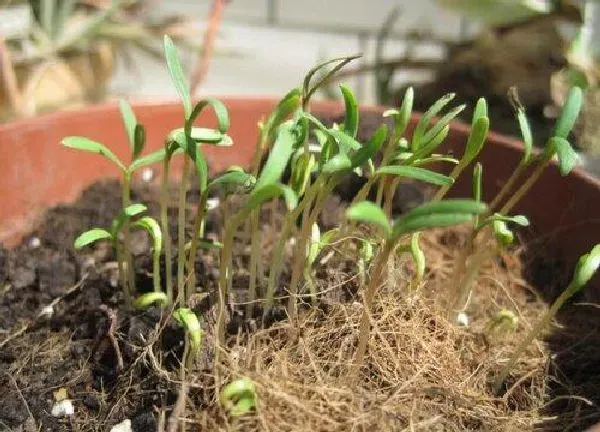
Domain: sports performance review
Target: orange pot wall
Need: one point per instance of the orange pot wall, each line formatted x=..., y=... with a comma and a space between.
x=37, y=172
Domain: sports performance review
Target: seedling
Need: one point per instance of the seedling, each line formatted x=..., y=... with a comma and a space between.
x=239, y=397
x=584, y=271
x=112, y=234
x=193, y=331
x=435, y=214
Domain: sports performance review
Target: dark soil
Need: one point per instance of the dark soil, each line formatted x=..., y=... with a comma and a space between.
x=74, y=348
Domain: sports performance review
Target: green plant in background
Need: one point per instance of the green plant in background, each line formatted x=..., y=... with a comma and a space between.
x=239, y=397
x=193, y=331
x=584, y=271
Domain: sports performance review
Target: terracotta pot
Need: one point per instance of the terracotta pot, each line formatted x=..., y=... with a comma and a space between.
x=37, y=172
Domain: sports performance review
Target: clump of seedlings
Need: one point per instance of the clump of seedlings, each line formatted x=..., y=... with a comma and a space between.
x=302, y=161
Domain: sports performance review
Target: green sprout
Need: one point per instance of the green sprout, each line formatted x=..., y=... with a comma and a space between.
x=153, y=228
x=95, y=234
x=146, y=300
x=188, y=139
x=504, y=321
x=434, y=214
x=186, y=318
x=584, y=271
x=136, y=138
x=239, y=397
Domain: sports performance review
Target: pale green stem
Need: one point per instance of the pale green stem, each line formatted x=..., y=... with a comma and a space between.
x=535, y=331
x=181, y=233
x=196, y=235
x=507, y=186
x=255, y=255
x=164, y=220
x=531, y=180
x=122, y=275
x=456, y=171
x=126, y=201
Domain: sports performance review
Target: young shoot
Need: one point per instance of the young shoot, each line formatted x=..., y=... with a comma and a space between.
x=430, y=215
x=584, y=271
x=187, y=319
x=95, y=234
x=188, y=140
x=238, y=397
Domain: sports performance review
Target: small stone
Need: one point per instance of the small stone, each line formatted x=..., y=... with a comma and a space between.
x=124, y=426
x=35, y=243
x=47, y=312
x=63, y=408
x=147, y=175
x=212, y=203
x=463, y=319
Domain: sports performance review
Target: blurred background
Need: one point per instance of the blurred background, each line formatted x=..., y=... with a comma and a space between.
x=59, y=54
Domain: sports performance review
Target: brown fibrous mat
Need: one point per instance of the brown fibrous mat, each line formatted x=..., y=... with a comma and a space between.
x=422, y=371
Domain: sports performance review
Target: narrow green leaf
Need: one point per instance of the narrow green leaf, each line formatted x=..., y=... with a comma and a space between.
x=308, y=91
x=428, y=221
x=149, y=159
x=92, y=236
x=153, y=228
x=177, y=75
x=437, y=214
x=127, y=213
x=302, y=167
x=442, y=123
x=351, y=116
x=86, y=144
x=129, y=121
x=569, y=113
x=429, y=147
x=286, y=106
x=526, y=134
x=270, y=191
x=219, y=109
x=368, y=151
x=416, y=173
x=345, y=141
x=476, y=140
x=139, y=141
x=339, y=162
x=426, y=119
x=314, y=247
x=436, y=159
x=477, y=175
x=148, y=299
x=567, y=157
x=278, y=157
x=402, y=118
x=368, y=212
x=186, y=318
x=586, y=267
x=234, y=178
x=481, y=110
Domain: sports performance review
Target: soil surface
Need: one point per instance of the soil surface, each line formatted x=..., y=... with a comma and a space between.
x=64, y=328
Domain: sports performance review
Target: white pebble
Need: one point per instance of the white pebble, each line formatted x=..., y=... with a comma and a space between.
x=124, y=426
x=35, y=243
x=212, y=203
x=463, y=319
x=63, y=408
x=47, y=311
x=147, y=174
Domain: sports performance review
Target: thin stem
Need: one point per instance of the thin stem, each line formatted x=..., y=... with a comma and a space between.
x=181, y=233
x=196, y=235
x=368, y=296
x=543, y=322
x=389, y=199
x=507, y=186
x=533, y=178
x=312, y=286
x=126, y=198
x=156, y=271
x=225, y=271
x=254, y=260
x=122, y=275
x=441, y=193
x=277, y=256
x=164, y=220
x=472, y=270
